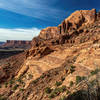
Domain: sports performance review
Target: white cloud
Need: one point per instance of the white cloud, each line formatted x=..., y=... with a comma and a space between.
x=18, y=34
x=42, y=9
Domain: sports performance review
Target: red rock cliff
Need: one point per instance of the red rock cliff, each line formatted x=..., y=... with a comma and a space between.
x=69, y=27
x=17, y=44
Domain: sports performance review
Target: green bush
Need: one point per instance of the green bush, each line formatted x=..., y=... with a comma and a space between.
x=30, y=76
x=62, y=78
x=11, y=82
x=93, y=82
x=21, y=89
x=48, y=90
x=42, y=76
x=72, y=69
x=57, y=91
x=15, y=87
x=79, y=79
x=54, y=93
x=63, y=98
x=58, y=83
x=67, y=92
x=35, y=81
x=71, y=83
x=95, y=71
x=6, y=84
x=63, y=88
x=20, y=80
x=2, y=98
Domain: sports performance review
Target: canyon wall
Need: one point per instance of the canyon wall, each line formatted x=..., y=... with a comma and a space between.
x=17, y=44
x=69, y=28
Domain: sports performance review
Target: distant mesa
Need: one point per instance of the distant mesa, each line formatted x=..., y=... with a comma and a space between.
x=21, y=44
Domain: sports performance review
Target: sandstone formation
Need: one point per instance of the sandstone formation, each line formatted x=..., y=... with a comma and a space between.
x=49, y=33
x=68, y=31
x=58, y=56
x=77, y=20
x=71, y=26
x=17, y=44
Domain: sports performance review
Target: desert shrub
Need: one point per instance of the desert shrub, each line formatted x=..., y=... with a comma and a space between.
x=57, y=91
x=15, y=87
x=11, y=82
x=30, y=76
x=79, y=79
x=67, y=92
x=58, y=83
x=54, y=93
x=48, y=75
x=93, y=82
x=42, y=76
x=95, y=71
x=21, y=89
x=20, y=80
x=62, y=78
x=63, y=88
x=48, y=90
x=72, y=69
x=6, y=84
x=2, y=98
x=83, y=77
x=35, y=81
x=71, y=83
x=63, y=98
x=79, y=95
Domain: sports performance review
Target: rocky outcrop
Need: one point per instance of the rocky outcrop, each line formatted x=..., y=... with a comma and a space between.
x=9, y=67
x=76, y=20
x=40, y=52
x=49, y=33
x=17, y=44
x=71, y=26
x=98, y=15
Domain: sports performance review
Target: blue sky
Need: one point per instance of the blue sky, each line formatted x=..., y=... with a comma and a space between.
x=23, y=19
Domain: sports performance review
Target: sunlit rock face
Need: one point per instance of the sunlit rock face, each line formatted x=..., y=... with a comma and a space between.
x=17, y=44
x=71, y=26
x=77, y=20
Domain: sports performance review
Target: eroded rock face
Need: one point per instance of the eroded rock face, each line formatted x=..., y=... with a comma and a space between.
x=98, y=15
x=17, y=44
x=68, y=31
x=76, y=20
x=49, y=33
x=71, y=26
x=40, y=52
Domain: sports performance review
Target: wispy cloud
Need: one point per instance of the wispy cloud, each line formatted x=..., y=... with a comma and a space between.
x=18, y=34
x=42, y=9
